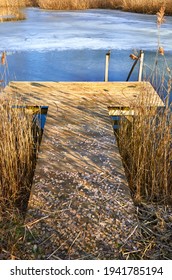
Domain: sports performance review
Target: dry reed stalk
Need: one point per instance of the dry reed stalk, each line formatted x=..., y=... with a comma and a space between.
x=18, y=155
x=145, y=145
x=12, y=3
x=3, y=58
x=11, y=10
x=161, y=50
x=146, y=141
x=160, y=16
x=18, y=152
x=3, y=70
x=145, y=6
x=77, y=4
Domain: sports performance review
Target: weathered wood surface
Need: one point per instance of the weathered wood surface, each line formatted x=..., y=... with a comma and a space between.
x=80, y=193
x=123, y=94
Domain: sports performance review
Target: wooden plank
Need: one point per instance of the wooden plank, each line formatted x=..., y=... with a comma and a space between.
x=121, y=112
x=110, y=93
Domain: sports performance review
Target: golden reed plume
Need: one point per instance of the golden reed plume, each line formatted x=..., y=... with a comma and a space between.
x=3, y=58
x=160, y=16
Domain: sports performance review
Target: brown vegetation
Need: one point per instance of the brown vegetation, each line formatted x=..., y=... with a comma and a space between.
x=18, y=146
x=18, y=159
x=145, y=6
x=11, y=10
x=12, y=3
x=18, y=151
x=145, y=145
x=75, y=4
x=145, y=140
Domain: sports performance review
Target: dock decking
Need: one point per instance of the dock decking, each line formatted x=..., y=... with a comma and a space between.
x=80, y=206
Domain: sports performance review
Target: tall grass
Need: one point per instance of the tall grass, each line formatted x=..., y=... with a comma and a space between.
x=17, y=153
x=11, y=10
x=12, y=3
x=18, y=147
x=145, y=140
x=76, y=4
x=145, y=143
x=145, y=6
x=3, y=70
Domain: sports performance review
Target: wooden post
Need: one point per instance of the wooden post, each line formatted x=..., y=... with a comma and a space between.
x=141, y=66
x=107, y=66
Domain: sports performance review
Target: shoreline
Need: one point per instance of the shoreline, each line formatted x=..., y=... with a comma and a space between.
x=14, y=12
x=134, y=6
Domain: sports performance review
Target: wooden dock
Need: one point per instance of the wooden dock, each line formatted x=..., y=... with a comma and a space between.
x=80, y=206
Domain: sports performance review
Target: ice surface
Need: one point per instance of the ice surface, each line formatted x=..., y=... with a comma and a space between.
x=91, y=29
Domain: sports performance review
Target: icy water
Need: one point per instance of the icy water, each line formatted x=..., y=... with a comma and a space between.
x=71, y=46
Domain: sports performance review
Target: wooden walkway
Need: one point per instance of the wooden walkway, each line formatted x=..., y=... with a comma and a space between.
x=80, y=206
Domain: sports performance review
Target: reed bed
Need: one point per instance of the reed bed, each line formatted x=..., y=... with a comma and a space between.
x=145, y=140
x=75, y=4
x=17, y=152
x=11, y=10
x=145, y=6
x=19, y=141
x=145, y=143
x=9, y=7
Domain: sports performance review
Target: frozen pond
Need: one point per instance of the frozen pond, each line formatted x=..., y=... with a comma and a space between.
x=71, y=46
x=91, y=29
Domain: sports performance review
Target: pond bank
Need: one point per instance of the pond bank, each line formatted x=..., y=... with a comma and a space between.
x=146, y=6
x=13, y=11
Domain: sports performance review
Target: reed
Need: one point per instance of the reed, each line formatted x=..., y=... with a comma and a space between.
x=145, y=141
x=19, y=140
x=17, y=153
x=20, y=136
x=76, y=4
x=145, y=6
x=11, y=10
x=12, y=3
x=145, y=146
